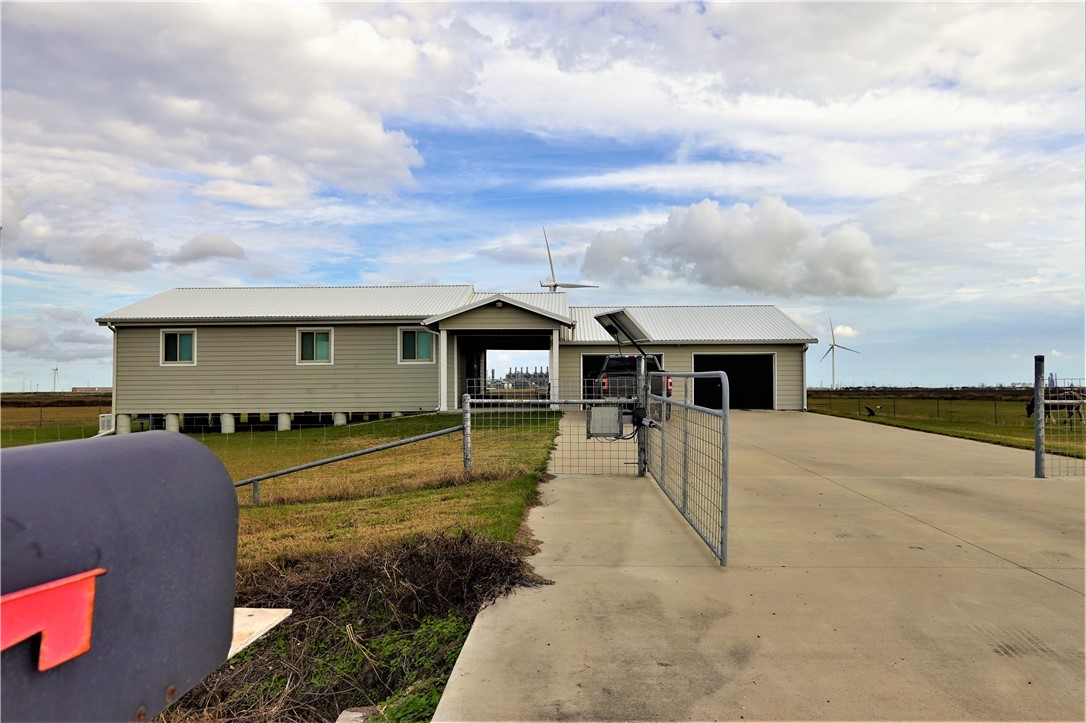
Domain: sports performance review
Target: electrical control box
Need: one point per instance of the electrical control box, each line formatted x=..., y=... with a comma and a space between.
x=604, y=422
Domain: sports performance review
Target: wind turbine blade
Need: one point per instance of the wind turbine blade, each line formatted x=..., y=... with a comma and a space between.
x=826, y=354
x=570, y=285
x=550, y=259
x=847, y=349
x=833, y=339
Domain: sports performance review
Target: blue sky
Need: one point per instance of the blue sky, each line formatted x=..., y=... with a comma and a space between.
x=914, y=171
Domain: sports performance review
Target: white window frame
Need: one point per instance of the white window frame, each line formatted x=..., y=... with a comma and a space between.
x=399, y=345
x=162, y=362
x=314, y=330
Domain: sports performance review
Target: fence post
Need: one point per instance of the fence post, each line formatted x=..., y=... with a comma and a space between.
x=686, y=441
x=725, y=389
x=467, y=434
x=1039, y=416
x=256, y=493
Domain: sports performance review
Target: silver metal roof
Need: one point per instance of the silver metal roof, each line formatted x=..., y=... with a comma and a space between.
x=734, y=324
x=256, y=303
x=512, y=299
x=747, y=324
x=556, y=303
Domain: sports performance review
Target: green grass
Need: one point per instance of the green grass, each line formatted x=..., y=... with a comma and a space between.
x=356, y=508
x=986, y=420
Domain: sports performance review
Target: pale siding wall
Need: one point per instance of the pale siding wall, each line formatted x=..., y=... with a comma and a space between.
x=679, y=358
x=505, y=318
x=253, y=369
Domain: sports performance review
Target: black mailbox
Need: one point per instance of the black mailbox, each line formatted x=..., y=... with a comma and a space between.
x=118, y=564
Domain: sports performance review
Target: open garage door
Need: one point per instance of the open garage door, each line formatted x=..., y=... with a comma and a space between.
x=750, y=378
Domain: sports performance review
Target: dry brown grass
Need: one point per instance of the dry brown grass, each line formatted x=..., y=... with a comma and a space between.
x=42, y=417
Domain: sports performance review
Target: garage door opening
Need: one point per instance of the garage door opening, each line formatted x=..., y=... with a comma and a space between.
x=591, y=364
x=750, y=380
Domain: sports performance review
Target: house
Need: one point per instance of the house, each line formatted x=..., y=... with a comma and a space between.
x=215, y=353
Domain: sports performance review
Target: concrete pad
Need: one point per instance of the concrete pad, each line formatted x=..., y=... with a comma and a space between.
x=871, y=576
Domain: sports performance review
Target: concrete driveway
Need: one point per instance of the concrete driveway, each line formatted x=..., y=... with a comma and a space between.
x=874, y=574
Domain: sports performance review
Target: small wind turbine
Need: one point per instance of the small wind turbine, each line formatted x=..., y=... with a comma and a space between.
x=554, y=284
x=832, y=353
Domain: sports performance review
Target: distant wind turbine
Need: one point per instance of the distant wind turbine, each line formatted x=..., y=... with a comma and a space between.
x=832, y=353
x=554, y=284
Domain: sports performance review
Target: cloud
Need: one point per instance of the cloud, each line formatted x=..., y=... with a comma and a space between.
x=207, y=246
x=25, y=339
x=13, y=213
x=63, y=314
x=75, y=336
x=119, y=254
x=843, y=330
x=769, y=248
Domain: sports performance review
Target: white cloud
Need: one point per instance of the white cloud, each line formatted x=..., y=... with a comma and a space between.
x=769, y=248
x=207, y=246
x=25, y=339
x=846, y=331
x=119, y=254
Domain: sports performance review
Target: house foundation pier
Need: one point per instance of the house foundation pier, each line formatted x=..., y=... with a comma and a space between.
x=226, y=422
x=124, y=424
x=339, y=419
x=283, y=422
x=173, y=422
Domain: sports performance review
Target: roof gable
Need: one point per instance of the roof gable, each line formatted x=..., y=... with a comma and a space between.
x=482, y=300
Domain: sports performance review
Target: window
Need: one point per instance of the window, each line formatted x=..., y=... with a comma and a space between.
x=314, y=346
x=416, y=347
x=179, y=346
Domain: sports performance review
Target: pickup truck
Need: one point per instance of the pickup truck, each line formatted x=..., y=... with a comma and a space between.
x=618, y=377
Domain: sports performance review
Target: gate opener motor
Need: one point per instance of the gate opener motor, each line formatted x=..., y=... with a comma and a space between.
x=117, y=577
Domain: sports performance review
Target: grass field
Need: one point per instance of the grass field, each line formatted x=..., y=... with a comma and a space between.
x=385, y=631
x=998, y=421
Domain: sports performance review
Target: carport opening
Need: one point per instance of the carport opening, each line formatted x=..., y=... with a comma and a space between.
x=494, y=365
x=517, y=369
x=750, y=380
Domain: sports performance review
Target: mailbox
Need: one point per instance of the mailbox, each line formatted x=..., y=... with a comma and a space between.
x=117, y=575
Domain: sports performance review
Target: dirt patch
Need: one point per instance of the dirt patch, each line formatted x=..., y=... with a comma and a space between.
x=370, y=627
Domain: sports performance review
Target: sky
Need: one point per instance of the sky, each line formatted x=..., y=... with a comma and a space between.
x=914, y=172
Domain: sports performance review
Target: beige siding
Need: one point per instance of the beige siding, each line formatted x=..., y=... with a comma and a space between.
x=788, y=363
x=254, y=369
x=505, y=318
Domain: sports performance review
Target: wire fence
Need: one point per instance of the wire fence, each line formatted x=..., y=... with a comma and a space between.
x=687, y=455
x=1064, y=428
x=507, y=432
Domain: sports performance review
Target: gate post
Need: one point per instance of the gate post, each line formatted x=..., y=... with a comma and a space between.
x=467, y=434
x=1039, y=416
x=642, y=431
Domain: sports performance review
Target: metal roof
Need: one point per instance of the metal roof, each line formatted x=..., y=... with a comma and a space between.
x=485, y=299
x=747, y=324
x=556, y=303
x=256, y=303
x=681, y=324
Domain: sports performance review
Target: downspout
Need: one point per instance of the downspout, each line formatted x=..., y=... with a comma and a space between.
x=113, y=393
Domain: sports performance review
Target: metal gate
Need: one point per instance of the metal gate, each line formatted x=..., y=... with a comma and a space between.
x=683, y=447
x=686, y=452
x=1058, y=408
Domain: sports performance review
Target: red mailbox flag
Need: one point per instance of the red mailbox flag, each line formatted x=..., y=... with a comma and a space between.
x=62, y=611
